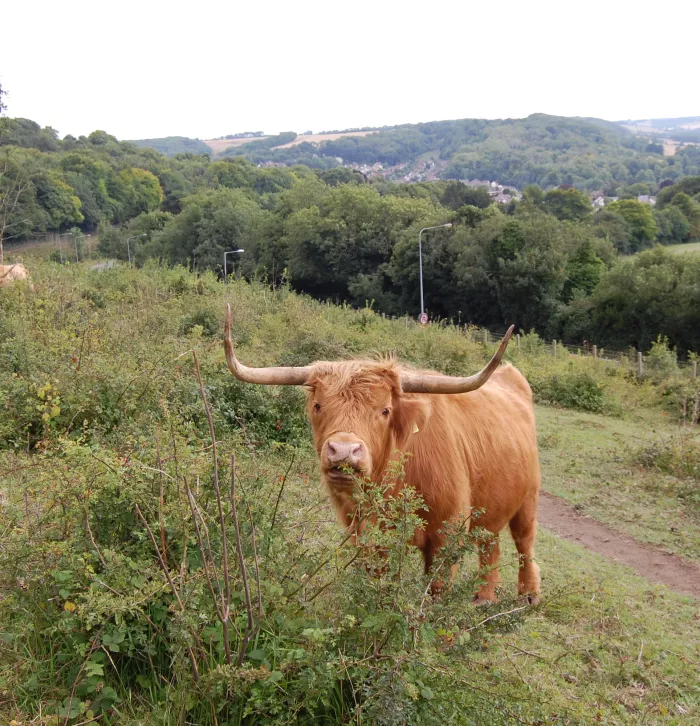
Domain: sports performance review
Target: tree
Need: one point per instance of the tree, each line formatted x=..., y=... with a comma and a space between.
x=534, y=195
x=350, y=231
x=142, y=192
x=569, y=204
x=342, y=175
x=59, y=201
x=211, y=222
x=457, y=195
x=583, y=270
x=647, y=294
x=613, y=227
x=691, y=211
x=18, y=205
x=673, y=225
x=690, y=185
x=640, y=218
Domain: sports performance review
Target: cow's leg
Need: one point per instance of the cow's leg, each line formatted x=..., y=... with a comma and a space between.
x=523, y=527
x=429, y=547
x=489, y=554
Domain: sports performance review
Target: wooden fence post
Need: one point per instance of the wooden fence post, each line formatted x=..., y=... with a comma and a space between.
x=595, y=351
x=695, y=369
x=486, y=336
x=554, y=348
x=517, y=341
x=640, y=364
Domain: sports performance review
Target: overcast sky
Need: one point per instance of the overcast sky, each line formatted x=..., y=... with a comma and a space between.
x=205, y=69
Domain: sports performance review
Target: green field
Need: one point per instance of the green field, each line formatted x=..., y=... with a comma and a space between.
x=595, y=463
x=103, y=615
x=689, y=247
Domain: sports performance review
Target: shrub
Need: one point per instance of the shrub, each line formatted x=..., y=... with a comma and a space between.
x=579, y=390
x=138, y=594
x=678, y=456
x=661, y=361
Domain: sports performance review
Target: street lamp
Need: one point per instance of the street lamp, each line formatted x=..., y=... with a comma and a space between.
x=232, y=252
x=128, y=249
x=423, y=316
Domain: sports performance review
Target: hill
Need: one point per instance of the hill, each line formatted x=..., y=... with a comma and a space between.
x=658, y=125
x=673, y=131
x=540, y=149
x=588, y=153
x=220, y=146
x=137, y=588
x=172, y=145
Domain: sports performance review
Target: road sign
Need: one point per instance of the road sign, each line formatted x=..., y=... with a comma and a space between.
x=423, y=318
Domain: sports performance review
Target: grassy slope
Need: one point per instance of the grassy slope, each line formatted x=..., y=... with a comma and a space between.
x=604, y=645
x=689, y=247
x=587, y=460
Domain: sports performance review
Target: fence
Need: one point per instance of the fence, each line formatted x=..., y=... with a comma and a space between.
x=643, y=364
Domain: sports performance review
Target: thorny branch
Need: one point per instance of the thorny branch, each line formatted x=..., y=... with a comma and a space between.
x=250, y=627
x=226, y=604
x=193, y=660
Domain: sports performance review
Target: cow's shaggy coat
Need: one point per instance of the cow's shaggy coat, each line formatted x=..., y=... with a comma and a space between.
x=469, y=451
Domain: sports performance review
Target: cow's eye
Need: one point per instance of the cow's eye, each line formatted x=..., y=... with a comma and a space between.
x=386, y=413
x=317, y=407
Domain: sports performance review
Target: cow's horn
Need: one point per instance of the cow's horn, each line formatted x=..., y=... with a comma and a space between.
x=423, y=383
x=292, y=376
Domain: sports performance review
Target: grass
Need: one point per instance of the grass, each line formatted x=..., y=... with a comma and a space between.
x=603, y=646
x=682, y=248
x=103, y=414
x=591, y=461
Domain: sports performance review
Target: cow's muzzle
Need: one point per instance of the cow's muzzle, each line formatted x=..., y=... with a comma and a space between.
x=343, y=458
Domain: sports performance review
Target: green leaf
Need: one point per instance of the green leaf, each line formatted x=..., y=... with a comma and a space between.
x=372, y=621
x=427, y=693
x=70, y=707
x=94, y=669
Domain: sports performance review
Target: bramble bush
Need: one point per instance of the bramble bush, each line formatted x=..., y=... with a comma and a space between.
x=163, y=582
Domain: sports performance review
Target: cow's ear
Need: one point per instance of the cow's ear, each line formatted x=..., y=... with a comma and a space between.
x=411, y=416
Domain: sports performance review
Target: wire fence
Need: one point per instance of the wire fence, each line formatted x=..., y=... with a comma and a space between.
x=662, y=360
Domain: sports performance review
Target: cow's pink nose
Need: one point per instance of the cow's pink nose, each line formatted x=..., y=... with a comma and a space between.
x=338, y=451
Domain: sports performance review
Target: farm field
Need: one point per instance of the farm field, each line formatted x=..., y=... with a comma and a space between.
x=220, y=145
x=108, y=589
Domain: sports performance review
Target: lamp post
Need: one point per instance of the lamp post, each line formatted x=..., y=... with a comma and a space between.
x=128, y=249
x=423, y=316
x=231, y=252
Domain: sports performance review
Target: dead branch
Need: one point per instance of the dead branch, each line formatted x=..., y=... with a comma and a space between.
x=250, y=627
x=279, y=497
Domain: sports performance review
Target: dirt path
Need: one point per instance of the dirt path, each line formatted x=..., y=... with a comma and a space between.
x=650, y=562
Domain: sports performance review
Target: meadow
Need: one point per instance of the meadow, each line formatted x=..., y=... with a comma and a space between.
x=682, y=248
x=168, y=555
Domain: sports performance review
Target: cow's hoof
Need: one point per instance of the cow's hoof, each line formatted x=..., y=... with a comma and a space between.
x=529, y=599
x=481, y=602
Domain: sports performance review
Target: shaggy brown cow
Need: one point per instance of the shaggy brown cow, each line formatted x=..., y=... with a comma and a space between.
x=9, y=273
x=472, y=445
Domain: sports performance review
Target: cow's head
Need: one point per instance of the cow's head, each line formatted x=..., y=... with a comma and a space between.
x=359, y=410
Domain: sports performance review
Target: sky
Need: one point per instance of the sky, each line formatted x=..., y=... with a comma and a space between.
x=205, y=69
